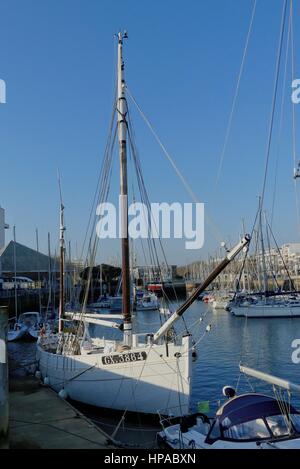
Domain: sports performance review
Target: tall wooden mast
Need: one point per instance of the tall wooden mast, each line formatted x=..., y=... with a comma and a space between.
x=123, y=199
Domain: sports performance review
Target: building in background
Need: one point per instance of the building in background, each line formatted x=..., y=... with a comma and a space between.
x=290, y=257
x=29, y=263
x=153, y=273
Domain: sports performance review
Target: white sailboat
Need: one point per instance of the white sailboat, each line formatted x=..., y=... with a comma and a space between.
x=141, y=372
x=129, y=374
x=266, y=305
x=268, y=308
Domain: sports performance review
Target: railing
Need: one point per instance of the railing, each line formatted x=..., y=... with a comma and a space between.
x=10, y=293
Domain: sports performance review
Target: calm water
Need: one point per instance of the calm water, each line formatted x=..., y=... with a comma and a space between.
x=264, y=344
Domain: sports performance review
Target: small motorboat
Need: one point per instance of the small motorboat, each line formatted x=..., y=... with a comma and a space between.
x=248, y=421
x=26, y=326
x=148, y=302
x=221, y=303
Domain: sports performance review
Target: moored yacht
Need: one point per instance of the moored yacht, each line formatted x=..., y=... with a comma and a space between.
x=267, y=308
x=246, y=421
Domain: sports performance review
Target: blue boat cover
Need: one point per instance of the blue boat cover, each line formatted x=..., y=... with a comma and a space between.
x=249, y=407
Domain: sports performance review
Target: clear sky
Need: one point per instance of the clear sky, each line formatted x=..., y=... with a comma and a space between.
x=57, y=58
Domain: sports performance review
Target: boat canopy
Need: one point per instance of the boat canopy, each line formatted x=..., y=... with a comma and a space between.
x=249, y=407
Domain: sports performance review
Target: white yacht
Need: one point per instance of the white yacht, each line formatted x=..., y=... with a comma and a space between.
x=247, y=421
x=267, y=308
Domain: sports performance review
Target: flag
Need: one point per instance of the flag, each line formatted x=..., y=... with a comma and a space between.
x=203, y=407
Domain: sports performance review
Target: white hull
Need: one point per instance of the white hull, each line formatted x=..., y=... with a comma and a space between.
x=147, y=308
x=174, y=439
x=99, y=305
x=267, y=311
x=220, y=304
x=145, y=386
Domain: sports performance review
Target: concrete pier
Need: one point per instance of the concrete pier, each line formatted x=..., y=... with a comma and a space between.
x=40, y=419
x=4, y=407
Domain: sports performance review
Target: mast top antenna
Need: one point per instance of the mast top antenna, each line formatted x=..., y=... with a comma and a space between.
x=122, y=35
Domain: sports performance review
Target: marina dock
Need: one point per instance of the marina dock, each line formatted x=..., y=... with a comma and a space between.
x=39, y=419
x=33, y=416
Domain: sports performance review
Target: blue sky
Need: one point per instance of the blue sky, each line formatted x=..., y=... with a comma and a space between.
x=182, y=60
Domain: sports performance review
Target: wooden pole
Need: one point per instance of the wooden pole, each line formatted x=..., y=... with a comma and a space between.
x=123, y=200
x=4, y=409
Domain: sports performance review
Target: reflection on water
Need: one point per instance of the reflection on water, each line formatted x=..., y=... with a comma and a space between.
x=264, y=344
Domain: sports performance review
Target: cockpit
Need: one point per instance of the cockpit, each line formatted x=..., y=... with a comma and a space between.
x=253, y=417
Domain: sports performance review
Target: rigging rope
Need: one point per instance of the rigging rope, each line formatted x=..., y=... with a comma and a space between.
x=218, y=236
x=281, y=115
x=294, y=117
x=271, y=265
x=145, y=199
x=229, y=125
x=274, y=99
x=268, y=148
x=282, y=258
x=293, y=76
